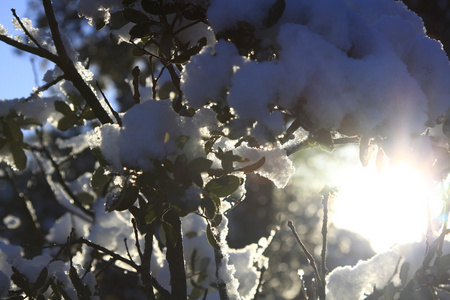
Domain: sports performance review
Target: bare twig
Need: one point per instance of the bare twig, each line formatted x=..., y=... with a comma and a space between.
x=136, y=74
x=309, y=257
x=128, y=250
x=67, y=66
x=115, y=114
x=45, y=87
x=30, y=49
x=60, y=178
x=136, y=236
x=25, y=30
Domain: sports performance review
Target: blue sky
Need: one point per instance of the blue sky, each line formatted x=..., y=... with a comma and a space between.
x=16, y=72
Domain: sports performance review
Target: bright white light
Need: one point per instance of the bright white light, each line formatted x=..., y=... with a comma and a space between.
x=387, y=207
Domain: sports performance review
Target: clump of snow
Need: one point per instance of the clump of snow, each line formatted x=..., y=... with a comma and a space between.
x=201, y=82
x=77, y=143
x=3, y=30
x=41, y=109
x=112, y=230
x=42, y=36
x=370, y=69
x=277, y=166
x=97, y=10
x=65, y=226
x=353, y=282
x=151, y=131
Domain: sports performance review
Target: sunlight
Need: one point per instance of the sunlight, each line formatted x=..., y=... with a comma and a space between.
x=386, y=207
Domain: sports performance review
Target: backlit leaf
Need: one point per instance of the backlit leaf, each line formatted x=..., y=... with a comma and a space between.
x=19, y=156
x=212, y=238
x=223, y=186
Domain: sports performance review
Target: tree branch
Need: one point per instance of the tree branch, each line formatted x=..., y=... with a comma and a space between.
x=309, y=257
x=174, y=255
x=25, y=30
x=41, y=52
x=67, y=66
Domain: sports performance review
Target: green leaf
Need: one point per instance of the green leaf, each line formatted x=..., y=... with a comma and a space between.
x=41, y=279
x=186, y=55
x=24, y=122
x=223, y=186
x=170, y=234
x=196, y=167
x=67, y=122
x=14, y=130
x=210, y=205
x=20, y=280
x=135, y=16
x=117, y=20
x=138, y=52
x=141, y=30
x=89, y=115
x=150, y=214
x=275, y=13
x=19, y=156
x=100, y=23
x=228, y=158
x=85, y=198
x=127, y=198
x=82, y=291
x=212, y=238
x=101, y=158
x=62, y=107
x=99, y=179
x=252, y=167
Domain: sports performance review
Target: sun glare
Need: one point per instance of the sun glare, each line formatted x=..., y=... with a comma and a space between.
x=387, y=207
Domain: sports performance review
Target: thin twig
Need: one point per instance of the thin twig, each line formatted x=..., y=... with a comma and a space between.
x=260, y=283
x=128, y=250
x=67, y=66
x=45, y=87
x=116, y=115
x=136, y=236
x=326, y=194
x=60, y=178
x=136, y=74
x=25, y=30
x=106, y=251
x=41, y=52
x=309, y=257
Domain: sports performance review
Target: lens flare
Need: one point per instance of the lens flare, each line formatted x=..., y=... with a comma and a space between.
x=387, y=207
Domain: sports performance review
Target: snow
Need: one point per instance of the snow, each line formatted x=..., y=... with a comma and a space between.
x=201, y=82
x=97, y=10
x=277, y=167
x=353, y=282
x=153, y=131
x=369, y=69
x=42, y=36
x=323, y=65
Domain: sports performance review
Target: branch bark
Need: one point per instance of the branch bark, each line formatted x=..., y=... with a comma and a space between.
x=71, y=73
x=175, y=256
